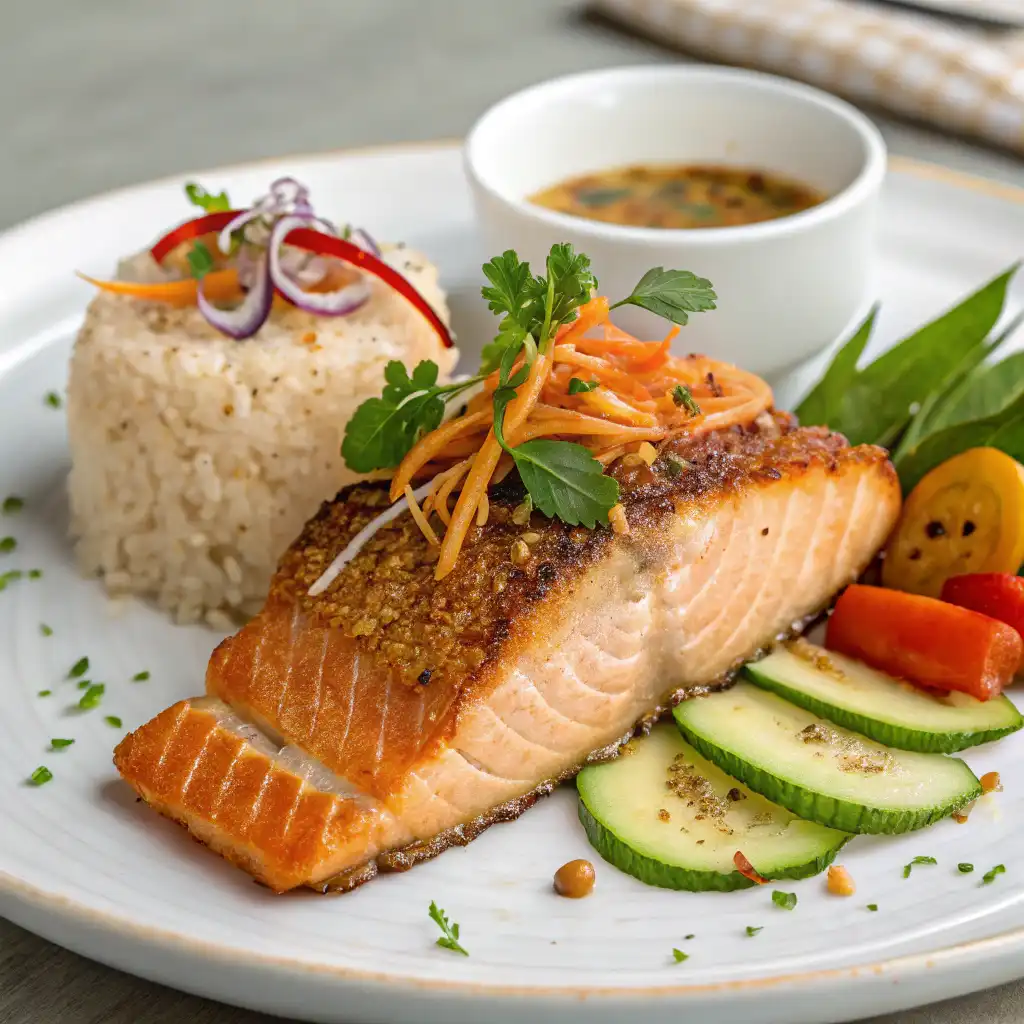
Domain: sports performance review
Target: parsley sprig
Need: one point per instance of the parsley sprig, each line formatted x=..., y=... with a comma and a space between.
x=207, y=201
x=561, y=478
x=450, y=938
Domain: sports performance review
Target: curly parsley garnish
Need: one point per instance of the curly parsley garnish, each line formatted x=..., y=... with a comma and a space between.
x=200, y=260
x=207, y=201
x=581, y=387
x=786, y=900
x=907, y=868
x=450, y=938
x=562, y=479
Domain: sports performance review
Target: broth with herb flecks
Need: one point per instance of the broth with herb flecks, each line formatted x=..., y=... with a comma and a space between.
x=680, y=196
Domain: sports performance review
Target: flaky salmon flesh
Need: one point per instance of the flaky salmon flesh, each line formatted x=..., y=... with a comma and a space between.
x=394, y=715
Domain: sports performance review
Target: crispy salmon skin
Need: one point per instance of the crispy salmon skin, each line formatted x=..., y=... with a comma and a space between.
x=394, y=715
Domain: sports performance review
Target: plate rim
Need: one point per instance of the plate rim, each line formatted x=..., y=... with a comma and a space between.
x=24, y=893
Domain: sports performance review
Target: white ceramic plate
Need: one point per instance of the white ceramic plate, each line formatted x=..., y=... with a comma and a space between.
x=84, y=865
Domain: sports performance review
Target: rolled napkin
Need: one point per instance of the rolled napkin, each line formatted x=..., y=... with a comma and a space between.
x=959, y=78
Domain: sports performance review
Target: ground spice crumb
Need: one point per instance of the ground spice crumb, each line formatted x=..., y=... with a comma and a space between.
x=663, y=815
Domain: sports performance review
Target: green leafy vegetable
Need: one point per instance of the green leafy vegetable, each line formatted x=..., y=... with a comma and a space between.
x=200, y=260
x=7, y=545
x=563, y=479
x=1004, y=430
x=53, y=400
x=683, y=397
x=872, y=906
x=752, y=931
x=786, y=900
x=41, y=776
x=45, y=629
x=450, y=938
x=79, y=669
x=92, y=697
x=57, y=744
x=990, y=876
x=874, y=405
x=140, y=677
x=965, y=869
x=580, y=387
x=907, y=868
x=12, y=503
x=384, y=429
x=679, y=956
x=113, y=721
x=207, y=201
x=671, y=294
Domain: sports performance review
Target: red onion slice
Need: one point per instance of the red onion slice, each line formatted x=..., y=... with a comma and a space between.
x=245, y=319
x=365, y=241
x=337, y=303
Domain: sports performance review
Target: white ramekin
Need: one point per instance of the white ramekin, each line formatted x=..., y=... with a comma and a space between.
x=786, y=287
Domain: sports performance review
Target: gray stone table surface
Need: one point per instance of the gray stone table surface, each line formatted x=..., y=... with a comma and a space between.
x=100, y=93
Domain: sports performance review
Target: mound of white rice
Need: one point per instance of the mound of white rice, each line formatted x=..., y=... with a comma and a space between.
x=196, y=459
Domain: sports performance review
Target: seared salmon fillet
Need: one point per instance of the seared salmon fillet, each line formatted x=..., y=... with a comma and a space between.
x=394, y=715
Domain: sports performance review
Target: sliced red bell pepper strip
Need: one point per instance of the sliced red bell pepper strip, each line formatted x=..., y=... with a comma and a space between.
x=925, y=641
x=192, y=229
x=998, y=595
x=328, y=245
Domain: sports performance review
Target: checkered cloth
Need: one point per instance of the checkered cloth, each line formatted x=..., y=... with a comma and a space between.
x=931, y=69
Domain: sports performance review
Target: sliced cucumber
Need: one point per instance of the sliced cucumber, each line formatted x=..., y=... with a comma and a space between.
x=819, y=771
x=892, y=712
x=663, y=814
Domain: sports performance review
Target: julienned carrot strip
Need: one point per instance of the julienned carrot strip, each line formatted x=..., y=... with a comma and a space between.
x=925, y=641
x=485, y=461
x=591, y=314
x=218, y=285
x=657, y=358
x=431, y=446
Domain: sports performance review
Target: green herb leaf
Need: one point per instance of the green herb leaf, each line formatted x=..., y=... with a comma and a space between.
x=581, y=387
x=683, y=396
x=113, y=721
x=907, y=868
x=140, y=677
x=965, y=869
x=45, y=629
x=10, y=576
x=41, y=776
x=1004, y=430
x=753, y=931
x=688, y=937
x=53, y=400
x=570, y=282
x=79, y=668
x=44, y=693
x=7, y=545
x=84, y=684
x=35, y=574
x=872, y=906
x=450, y=939
x=200, y=260
x=874, y=404
x=92, y=697
x=679, y=955
x=566, y=481
x=12, y=503
x=198, y=196
x=671, y=294
x=990, y=876
x=786, y=900
x=56, y=744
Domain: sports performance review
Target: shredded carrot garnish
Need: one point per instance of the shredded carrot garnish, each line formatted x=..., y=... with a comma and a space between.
x=418, y=517
x=633, y=408
x=218, y=286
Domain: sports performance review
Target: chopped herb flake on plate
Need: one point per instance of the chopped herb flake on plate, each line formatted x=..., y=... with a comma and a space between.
x=53, y=400
x=13, y=504
x=751, y=930
x=45, y=629
x=990, y=876
x=907, y=868
x=41, y=776
x=113, y=721
x=91, y=698
x=7, y=545
x=140, y=677
x=59, y=744
x=79, y=668
x=679, y=956
x=786, y=900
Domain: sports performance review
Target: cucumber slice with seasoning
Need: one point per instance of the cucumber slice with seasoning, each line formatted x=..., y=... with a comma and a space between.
x=888, y=710
x=669, y=817
x=819, y=771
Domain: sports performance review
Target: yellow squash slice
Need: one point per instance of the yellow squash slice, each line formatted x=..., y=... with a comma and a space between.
x=965, y=516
